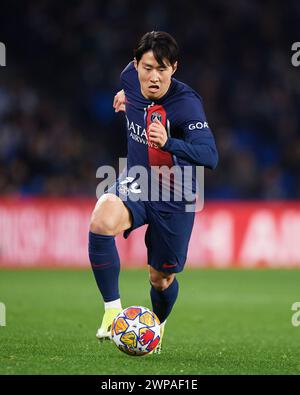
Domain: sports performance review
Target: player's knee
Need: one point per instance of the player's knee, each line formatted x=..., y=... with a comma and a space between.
x=104, y=225
x=110, y=216
x=160, y=283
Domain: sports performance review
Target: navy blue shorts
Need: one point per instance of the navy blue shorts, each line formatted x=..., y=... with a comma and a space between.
x=167, y=236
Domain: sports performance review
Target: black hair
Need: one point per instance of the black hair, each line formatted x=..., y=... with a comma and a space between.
x=163, y=45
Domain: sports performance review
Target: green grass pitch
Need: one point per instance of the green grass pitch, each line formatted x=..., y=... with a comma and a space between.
x=224, y=322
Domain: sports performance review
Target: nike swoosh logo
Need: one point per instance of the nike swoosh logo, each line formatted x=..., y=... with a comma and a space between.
x=168, y=265
x=100, y=264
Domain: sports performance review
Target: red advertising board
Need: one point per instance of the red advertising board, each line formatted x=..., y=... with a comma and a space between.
x=54, y=232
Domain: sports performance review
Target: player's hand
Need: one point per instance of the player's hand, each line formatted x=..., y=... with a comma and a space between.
x=119, y=101
x=157, y=133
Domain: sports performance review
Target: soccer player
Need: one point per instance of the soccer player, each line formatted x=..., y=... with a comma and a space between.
x=166, y=126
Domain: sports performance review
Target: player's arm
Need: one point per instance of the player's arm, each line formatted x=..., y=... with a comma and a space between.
x=201, y=151
x=199, y=144
x=129, y=82
x=119, y=101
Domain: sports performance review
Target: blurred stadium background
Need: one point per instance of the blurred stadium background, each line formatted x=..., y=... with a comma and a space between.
x=57, y=126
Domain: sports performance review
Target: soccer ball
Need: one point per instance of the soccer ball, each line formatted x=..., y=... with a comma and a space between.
x=136, y=331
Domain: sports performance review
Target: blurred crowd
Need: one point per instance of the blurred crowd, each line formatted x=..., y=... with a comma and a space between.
x=57, y=124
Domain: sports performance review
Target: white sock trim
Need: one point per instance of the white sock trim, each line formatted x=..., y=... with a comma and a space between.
x=114, y=304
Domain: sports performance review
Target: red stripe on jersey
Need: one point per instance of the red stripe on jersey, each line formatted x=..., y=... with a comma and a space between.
x=156, y=156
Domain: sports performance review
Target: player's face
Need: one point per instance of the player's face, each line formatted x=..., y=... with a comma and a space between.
x=154, y=79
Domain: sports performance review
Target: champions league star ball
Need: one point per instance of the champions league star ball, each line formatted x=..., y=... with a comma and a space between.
x=136, y=331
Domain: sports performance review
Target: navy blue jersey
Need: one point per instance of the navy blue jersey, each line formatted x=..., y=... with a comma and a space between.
x=190, y=140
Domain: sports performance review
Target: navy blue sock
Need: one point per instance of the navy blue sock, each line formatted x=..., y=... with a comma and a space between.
x=163, y=301
x=105, y=263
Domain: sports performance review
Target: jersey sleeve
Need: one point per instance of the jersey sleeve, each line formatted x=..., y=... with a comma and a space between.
x=198, y=144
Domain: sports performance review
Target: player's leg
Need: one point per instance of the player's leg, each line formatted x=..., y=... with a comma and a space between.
x=167, y=240
x=109, y=218
x=164, y=292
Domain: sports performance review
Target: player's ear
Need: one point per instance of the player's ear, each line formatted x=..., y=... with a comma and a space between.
x=135, y=63
x=174, y=67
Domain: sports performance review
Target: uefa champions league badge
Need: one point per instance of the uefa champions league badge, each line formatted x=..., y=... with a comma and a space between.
x=155, y=115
